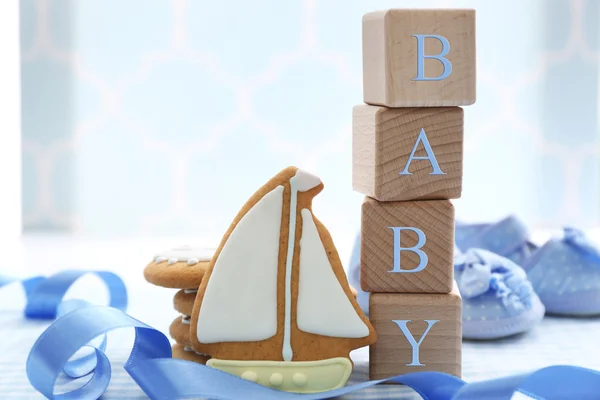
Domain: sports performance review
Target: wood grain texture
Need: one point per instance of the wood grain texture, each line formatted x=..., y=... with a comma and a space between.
x=435, y=218
x=439, y=351
x=390, y=58
x=382, y=141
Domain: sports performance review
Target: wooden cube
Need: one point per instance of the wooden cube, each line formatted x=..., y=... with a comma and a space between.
x=407, y=153
x=407, y=246
x=415, y=332
x=419, y=58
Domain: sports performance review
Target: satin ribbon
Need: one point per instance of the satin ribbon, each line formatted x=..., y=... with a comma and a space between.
x=79, y=324
x=162, y=377
x=45, y=294
x=44, y=301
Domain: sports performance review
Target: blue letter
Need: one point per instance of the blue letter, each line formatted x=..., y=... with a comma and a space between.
x=413, y=343
x=417, y=249
x=422, y=138
x=440, y=57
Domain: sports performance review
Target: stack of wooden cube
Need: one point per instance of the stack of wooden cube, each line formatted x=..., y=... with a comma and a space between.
x=418, y=68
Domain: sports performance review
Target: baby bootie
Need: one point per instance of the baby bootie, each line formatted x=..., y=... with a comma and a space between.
x=564, y=272
x=354, y=277
x=498, y=300
x=508, y=237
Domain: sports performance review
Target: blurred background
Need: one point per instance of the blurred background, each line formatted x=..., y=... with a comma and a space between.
x=128, y=127
x=160, y=118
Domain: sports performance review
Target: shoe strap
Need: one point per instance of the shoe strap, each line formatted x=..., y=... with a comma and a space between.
x=501, y=238
x=479, y=271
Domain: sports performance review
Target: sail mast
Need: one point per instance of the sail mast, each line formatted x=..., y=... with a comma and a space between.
x=301, y=182
x=287, y=352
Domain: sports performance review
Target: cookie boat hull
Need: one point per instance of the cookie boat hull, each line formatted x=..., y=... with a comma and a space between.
x=290, y=376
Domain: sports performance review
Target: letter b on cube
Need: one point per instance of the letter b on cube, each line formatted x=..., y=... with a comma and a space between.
x=407, y=247
x=417, y=249
x=419, y=58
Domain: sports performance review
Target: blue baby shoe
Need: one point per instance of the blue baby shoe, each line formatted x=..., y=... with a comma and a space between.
x=354, y=277
x=498, y=300
x=508, y=238
x=497, y=297
x=564, y=272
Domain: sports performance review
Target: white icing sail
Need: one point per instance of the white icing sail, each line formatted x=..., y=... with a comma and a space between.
x=240, y=302
x=323, y=307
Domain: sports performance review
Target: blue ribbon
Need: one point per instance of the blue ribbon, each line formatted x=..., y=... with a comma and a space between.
x=44, y=301
x=45, y=294
x=87, y=362
x=79, y=324
x=162, y=377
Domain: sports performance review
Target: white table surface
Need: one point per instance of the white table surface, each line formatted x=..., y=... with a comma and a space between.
x=555, y=341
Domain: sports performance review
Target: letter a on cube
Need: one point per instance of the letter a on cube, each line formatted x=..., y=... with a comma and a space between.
x=407, y=153
x=419, y=58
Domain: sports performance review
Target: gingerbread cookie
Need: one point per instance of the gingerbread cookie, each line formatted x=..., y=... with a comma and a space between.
x=187, y=353
x=179, y=268
x=180, y=331
x=183, y=302
x=275, y=306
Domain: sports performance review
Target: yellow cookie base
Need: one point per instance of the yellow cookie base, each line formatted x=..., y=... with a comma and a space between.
x=290, y=376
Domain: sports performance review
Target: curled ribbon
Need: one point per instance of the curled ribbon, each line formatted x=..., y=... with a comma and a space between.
x=44, y=297
x=480, y=271
x=162, y=377
x=45, y=294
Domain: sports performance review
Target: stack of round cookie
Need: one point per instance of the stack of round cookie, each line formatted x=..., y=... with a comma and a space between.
x=181, y=268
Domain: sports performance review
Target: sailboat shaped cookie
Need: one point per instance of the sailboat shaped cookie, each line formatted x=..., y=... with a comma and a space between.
x=275, y=306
